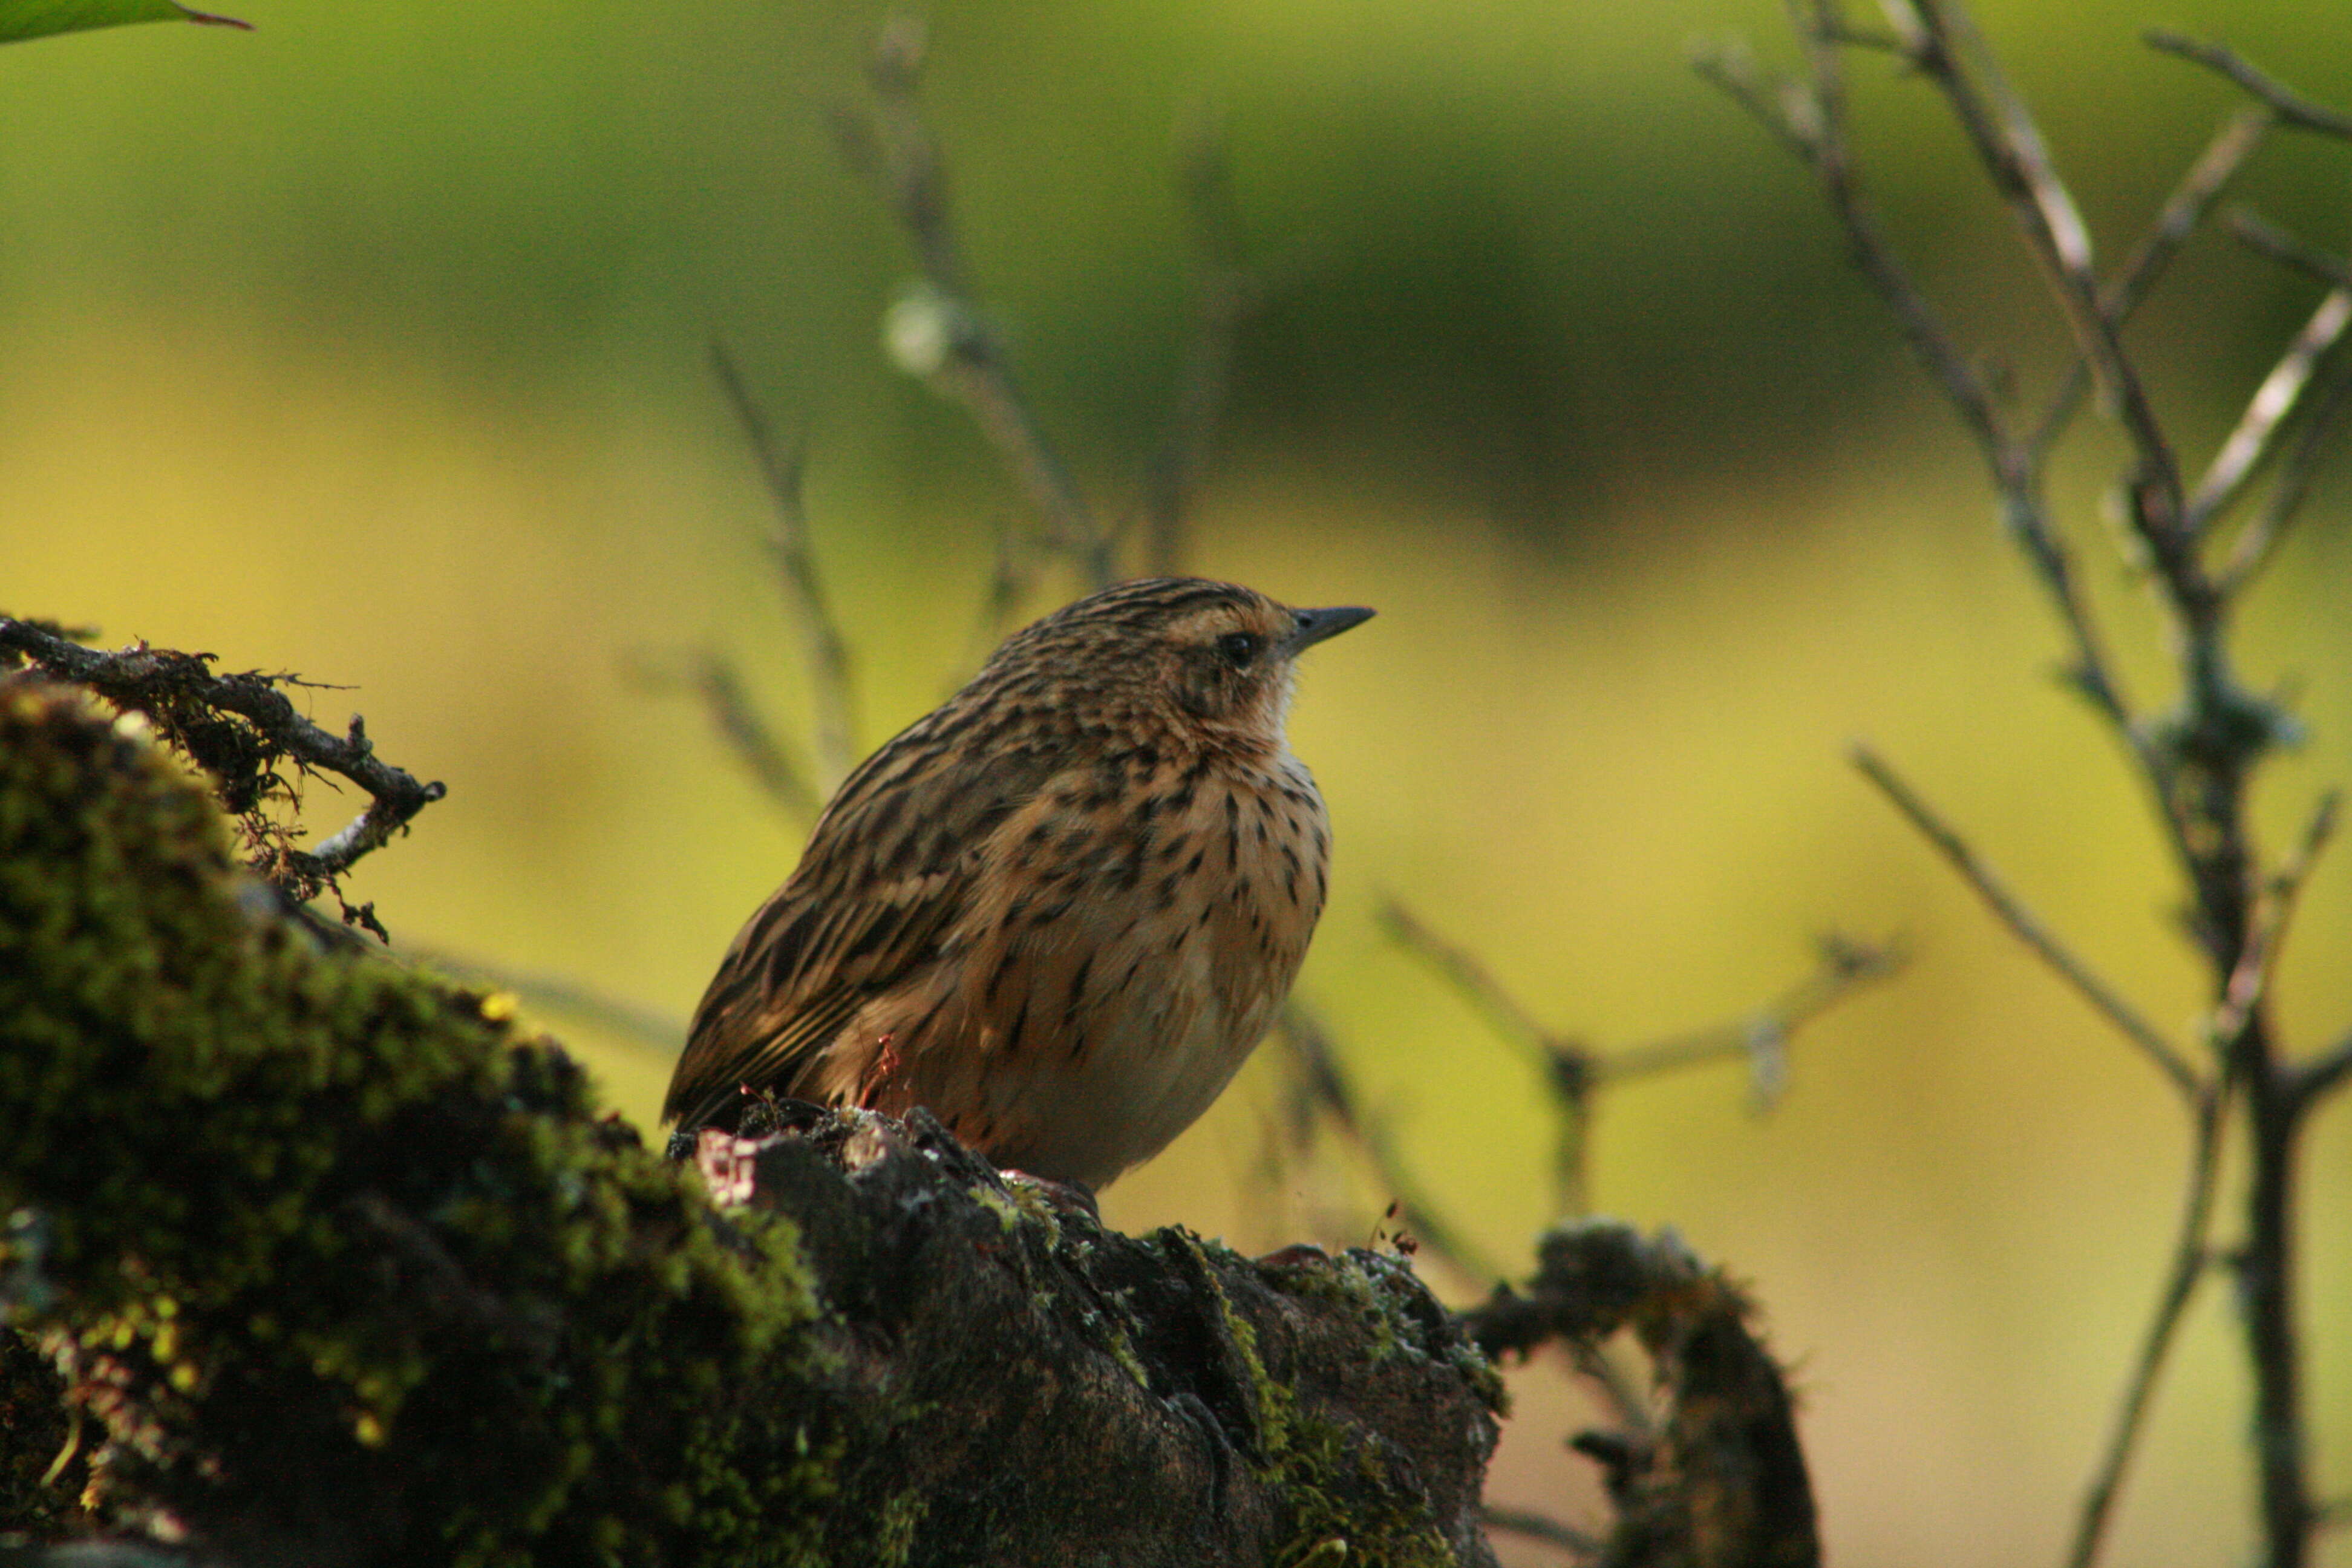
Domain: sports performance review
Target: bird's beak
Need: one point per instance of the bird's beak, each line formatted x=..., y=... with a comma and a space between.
x=1313, y=625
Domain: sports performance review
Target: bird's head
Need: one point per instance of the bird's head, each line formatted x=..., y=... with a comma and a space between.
x=1208, y=656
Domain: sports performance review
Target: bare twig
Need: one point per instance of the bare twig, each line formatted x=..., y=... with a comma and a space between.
x=2239, y=134
x=1574, y=1071
x=1761, y=1037
x=2255, y=544
x=1569, y=1067
x=1541, y=1527
x=1321, y=1077
x=1950, y=52
x=2199, y=758
x=639, y=1024
x=938, y=331
x=2257, y=233
x=2324, y=1073
x=714, y=680
x=2248, y=982
x=2270, y=407
x=1225, y=295
x=177, y=689
x=823, y=648
x=1487, y=995
x=2290, y=106
x=1809, y=117
x=1011, y=575
x=2023, y=923
x=2190, y=1257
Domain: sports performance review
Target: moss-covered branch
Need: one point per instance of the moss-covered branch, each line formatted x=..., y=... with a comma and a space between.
x=341, y=1267
x=1721, y=1482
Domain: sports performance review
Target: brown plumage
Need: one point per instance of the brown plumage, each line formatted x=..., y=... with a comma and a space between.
x=1059, y=909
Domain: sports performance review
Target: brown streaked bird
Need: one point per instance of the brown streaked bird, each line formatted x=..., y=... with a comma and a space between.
x=1060, y=909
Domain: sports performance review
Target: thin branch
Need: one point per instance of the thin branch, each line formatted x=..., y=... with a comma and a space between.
x=647, y=1028
x=1485, y=995
x=2249, y=980
x=1574, y=1071
x=2324, y=1073
x=2258, y=541
x=1226, y=294
x=1621, y=1388
x=1809, y=117
x=2025, y=927
x=1324, y=1079
x=2290, y=106
x=823, y=648
x=938, y=331
x=156, y=681
x=2236, y=140
x=1568, y=1068
x=714, y=680
x=2257, y=233
x=1539, y=1527
x=1845, y=965
x=2190, y=1257
x=1761, y=1037
x=2272, y=402
x=1997, y=123
x=1012, y=576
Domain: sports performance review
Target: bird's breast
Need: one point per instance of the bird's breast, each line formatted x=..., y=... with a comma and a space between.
x=1117, y=997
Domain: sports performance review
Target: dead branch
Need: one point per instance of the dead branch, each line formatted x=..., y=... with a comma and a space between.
x=181, y=696
x=1809, y=116
x=1541, y=1527
x=2235, y=142
x=824, y=651
x=938, y=331
x=2026, y=926
x=2290, y=106
x=1573, y=1071
x=1723, y=1481
x=713, y=678
x=2274, y=403
x=2259, y=540
x=1225, y=295
x=2191, y=1256
x=2197, y=759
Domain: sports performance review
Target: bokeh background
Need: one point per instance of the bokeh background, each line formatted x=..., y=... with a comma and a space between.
x=371, y=345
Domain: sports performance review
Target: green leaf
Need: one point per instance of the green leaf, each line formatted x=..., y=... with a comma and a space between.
x=39, y=18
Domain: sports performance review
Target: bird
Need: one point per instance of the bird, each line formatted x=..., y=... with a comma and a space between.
x=1060, y=910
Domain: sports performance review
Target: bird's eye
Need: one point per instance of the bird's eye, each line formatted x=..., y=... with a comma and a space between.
x=1239, y=647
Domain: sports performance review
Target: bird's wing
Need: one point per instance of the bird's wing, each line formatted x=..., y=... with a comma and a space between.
x=891, y=864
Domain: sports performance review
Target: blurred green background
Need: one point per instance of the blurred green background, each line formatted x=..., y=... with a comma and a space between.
x=371, y=345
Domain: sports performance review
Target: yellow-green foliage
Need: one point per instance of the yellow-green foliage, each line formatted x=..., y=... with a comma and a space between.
x=309, y=1207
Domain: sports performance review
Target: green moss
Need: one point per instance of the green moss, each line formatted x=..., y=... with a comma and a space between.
x=894, y=1533
x=1320, y=1470
x=268, y=1183
x=1374, y=1289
